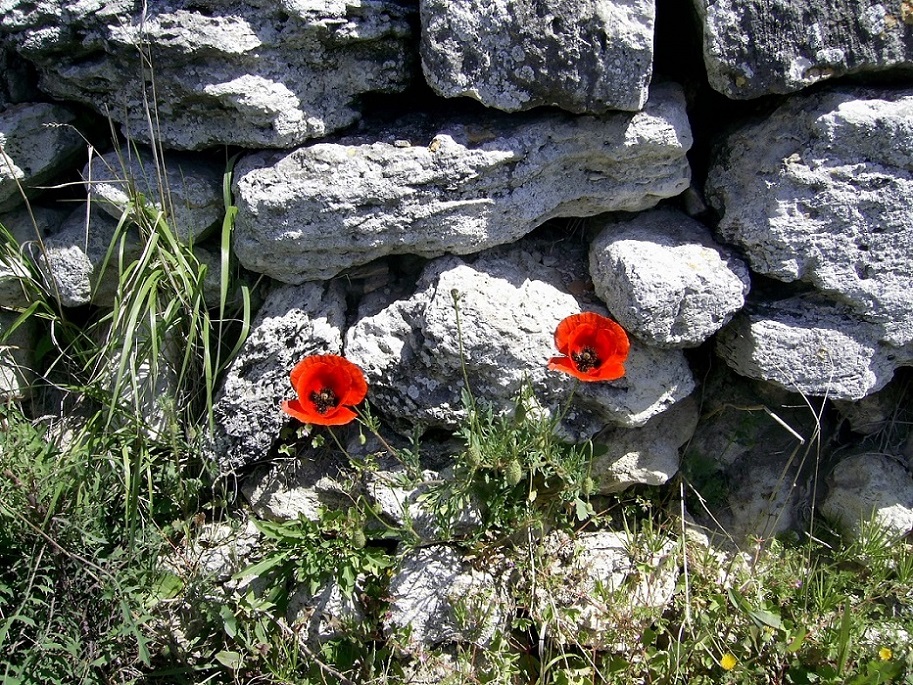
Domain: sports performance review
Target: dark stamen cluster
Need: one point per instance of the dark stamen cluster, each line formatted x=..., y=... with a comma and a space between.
x=324, y=400
x=586, y=359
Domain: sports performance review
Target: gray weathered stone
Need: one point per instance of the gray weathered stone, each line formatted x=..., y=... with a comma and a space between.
x=753, y=442
x=810, y=345
x=593, y=592
x=581, y=55
x=413, y=353
x=73, y=260
x=665, y=280
x=25, y=226
x=255, y=74
x=325, y=614
x=758, y=47
x=870, y=486
x=297, y=489
x=188, y=189
x=36, y=144
x=294, y=322
x=405, y=505
x=819, y=192
x=460, y=187
x=647, y=455
x=17, y=356
x=437, y=598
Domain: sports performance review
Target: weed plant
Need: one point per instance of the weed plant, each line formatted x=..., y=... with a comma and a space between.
x=90, y=495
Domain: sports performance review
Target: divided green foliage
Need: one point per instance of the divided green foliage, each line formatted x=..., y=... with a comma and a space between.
x=517, y=469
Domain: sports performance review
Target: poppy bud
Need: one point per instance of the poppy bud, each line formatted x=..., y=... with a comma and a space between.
x=358, y=539
x=513, y=472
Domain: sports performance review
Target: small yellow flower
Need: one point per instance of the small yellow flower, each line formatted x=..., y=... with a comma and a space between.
x=885, y=654
x=728, y=662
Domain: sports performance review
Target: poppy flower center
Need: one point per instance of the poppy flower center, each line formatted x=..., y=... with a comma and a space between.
x=324, y=400
x=586, y=359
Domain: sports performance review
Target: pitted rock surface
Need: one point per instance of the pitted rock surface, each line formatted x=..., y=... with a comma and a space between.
x=37, y=143
x=580, y=55
x=458, y=187
x=414, y=353
x=294, y=322
x=759, y=47
x=810, y=345
x=253, y=74
x=819, y=192
x=665, y=280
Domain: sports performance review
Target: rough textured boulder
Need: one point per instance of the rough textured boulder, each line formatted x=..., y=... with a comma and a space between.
x=581, y=55
x=751, y=456
x=413, y=353
x=810, y=345
x=73, y=262
x=294, y=322
x=299, y=489
x=757, y=47
x=593, y=593
x=36, y=145
x=647, y=455
x=456, y=187
x=819, y=192
x=250, y=74
x=437, y=598
x=665, y=280
x=17, y=356
x=191, y=186
x=25, y=226
x=870, y=487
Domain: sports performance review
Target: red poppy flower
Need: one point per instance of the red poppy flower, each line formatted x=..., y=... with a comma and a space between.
x=327, y=386
x=594, y=347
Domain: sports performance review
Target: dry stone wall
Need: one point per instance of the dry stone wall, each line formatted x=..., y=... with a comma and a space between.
x=741, y=208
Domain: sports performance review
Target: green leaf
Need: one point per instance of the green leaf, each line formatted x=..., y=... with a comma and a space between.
x=229, y=621
x=797, y=641
x=232, y=660
x=763, y=618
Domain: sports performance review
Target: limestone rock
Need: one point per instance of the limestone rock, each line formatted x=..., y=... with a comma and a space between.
x=808, y=344
x=37, y=143
x=647, y=455
x=595, y=594
x=255, y=74
x=294, y=322
x=742, y=464
x=188, y=189
x=870, y=485
x=325, y=614
x=291, y=491
x=404, y=504
x=413, y=353
x=437, y=598
x=581, y=55
x=664, y=279
x=818, y=192
x=74, y=259
x=758, y=47
x=25, y=226
x=459, y=187
x=17, y=356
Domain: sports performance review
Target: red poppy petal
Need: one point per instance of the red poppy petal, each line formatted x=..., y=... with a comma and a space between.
x=609, y=371
x=299, y=411
x=358, y=387
x=566, y=365
x=337, y=417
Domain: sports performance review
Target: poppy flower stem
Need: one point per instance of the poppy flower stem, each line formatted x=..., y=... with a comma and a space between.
x=566, y=407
